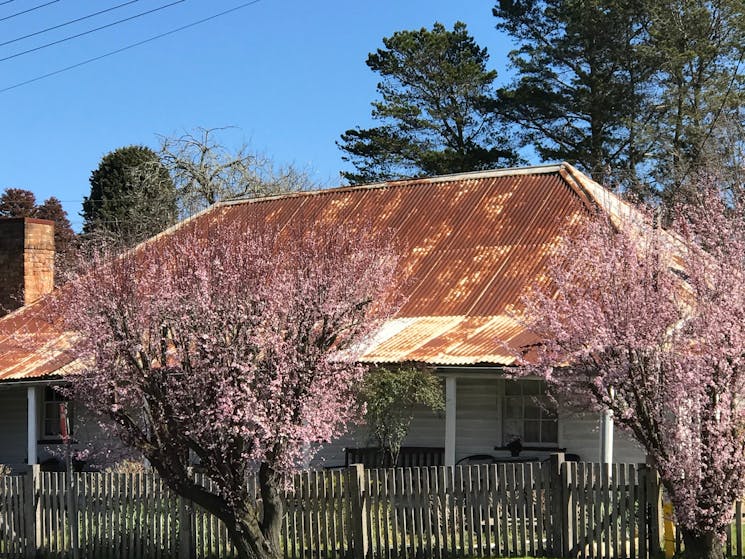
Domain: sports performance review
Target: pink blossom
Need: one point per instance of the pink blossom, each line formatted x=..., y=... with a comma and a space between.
x=231, y=344
x=651, y=325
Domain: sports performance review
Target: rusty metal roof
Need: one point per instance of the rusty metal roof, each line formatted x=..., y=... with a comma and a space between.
x=30, y=347
x=475, y=241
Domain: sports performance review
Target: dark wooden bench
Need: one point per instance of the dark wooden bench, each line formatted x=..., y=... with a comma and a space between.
x=408, y=457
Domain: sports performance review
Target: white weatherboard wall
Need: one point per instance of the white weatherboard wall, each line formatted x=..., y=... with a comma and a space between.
x=580, y=434
x=478, y=427
x=478, y=424
x=331, y=455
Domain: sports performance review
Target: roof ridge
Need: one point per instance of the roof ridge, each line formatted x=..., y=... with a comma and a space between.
x=468, y=175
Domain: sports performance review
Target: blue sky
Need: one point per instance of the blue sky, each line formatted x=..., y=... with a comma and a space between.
x=290, y=76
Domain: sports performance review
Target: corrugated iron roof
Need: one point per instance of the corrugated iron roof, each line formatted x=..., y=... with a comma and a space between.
x=474, y=242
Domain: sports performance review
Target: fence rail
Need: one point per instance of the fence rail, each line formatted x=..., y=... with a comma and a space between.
x=554, y=508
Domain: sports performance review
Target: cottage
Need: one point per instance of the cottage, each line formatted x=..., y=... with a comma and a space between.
x=474, y=242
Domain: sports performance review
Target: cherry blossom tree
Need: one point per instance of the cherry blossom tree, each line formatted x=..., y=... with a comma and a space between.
x=650, y=324
x=234, y=346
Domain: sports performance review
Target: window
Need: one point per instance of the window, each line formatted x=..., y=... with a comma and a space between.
x=528, y=414
x=51, y=419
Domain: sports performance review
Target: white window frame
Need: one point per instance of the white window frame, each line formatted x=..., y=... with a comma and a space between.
x=50, y=415
x=545, y=414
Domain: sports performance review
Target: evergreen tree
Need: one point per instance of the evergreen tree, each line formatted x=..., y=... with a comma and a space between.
x=132, y=197
x=17, y=202
x=436, y=109
x=582, y=77
x=701, y=86
x=634, y=91
x=52, y=210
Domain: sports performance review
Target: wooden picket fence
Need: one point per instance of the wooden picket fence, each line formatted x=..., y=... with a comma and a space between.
x=506, y=510
x=553, y=508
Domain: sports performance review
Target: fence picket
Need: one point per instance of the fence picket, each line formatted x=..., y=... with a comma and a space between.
x=15, y=525
x=607, y=501
x=9, y=524
x=486, y=502
x=8, y=516
x=393, y=499
x=613, y=508
x=620, y=484
x=469, y=524
x=738, y=528
x=522, y=505
x=381, y=502
x=460, y=509
x=436, y=504
x=449, y=488
x=426, y=504
x=414, y=525
x=633, y=517
x=530, y=503
x=6, y=539
x=335, y=513
x=642, y=518
x=18, y=516
x=109, y=509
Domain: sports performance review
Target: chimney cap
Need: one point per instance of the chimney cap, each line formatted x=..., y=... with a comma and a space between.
x=28, y=220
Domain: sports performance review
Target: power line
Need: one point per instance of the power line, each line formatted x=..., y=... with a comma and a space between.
x=88, y=32
x=6, y=2
x=65, y=23
x=128, y=47
x=26, y=11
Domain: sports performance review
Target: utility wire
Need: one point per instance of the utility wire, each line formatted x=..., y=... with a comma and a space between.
x=65, y=23
x=6, y=2
x=128, y=47
x=26, y=11
x=112, y=24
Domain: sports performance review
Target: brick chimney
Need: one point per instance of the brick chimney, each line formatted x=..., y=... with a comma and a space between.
x=26, y=261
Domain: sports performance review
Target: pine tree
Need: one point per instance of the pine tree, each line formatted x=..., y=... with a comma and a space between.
x=581, y=88
x=701, y=85
x=633, y=91
x=52, y=210
x=436, y=109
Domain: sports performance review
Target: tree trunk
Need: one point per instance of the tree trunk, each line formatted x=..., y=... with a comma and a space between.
x=250, y=543
x=273, y=507
x=702, y=546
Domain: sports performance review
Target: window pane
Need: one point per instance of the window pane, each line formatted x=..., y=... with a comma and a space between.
x=51, y=395
x=532, y=431
x=550, y=431
x=51, y=428
x=512, y=388
x=532, y=410
x=531, y=387
x=51, y=412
